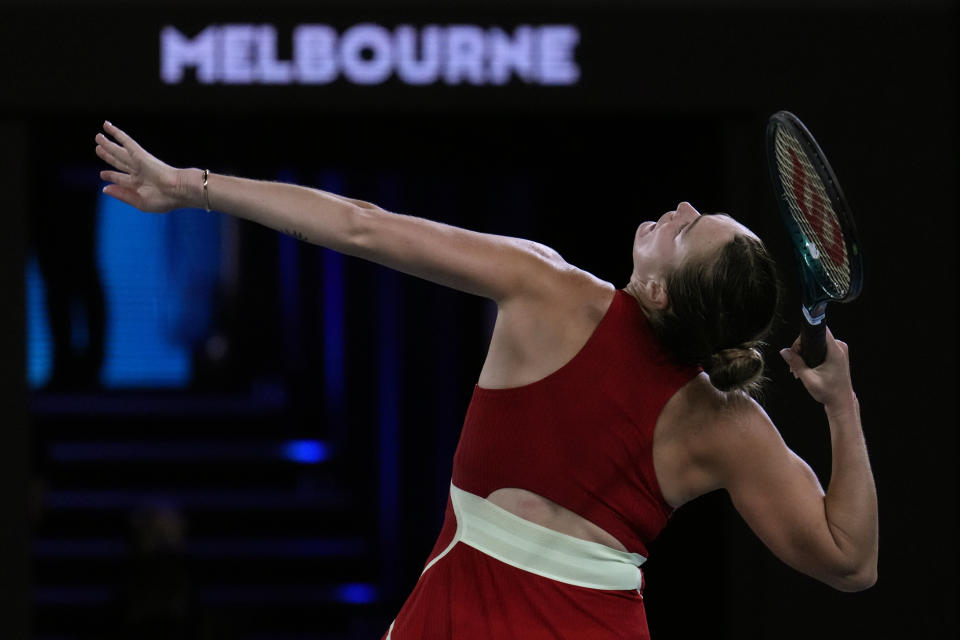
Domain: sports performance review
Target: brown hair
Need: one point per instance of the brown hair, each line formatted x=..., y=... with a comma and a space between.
x=720, y=311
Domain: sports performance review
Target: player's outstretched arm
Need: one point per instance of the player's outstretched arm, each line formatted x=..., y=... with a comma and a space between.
x=492, y=266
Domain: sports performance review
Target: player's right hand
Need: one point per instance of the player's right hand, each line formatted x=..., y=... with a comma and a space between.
x=829, y=382
x=139, y=179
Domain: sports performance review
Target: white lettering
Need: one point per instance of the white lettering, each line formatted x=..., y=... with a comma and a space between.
x=178, y=52
x=464, y=55
x=313, y=53
x=556, y=54
x=237, y=46
x=369, y=54
x=269, y=69
x=366, y=37
x=510, y=55
x=409, y=68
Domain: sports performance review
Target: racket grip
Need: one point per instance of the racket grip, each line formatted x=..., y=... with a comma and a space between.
x=813, y=343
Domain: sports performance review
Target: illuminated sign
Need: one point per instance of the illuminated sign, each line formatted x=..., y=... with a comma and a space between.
x=370, y=54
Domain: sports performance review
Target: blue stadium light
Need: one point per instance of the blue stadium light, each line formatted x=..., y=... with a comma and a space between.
x=356, y=593
x=159, y=275
x=306, y=451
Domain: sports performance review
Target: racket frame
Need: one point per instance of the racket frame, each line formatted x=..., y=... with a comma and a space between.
x=814, y=295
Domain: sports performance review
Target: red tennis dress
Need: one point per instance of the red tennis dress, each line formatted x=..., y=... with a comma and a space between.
x=583, y=438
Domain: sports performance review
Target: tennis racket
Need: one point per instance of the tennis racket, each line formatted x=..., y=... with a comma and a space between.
x=818, y=219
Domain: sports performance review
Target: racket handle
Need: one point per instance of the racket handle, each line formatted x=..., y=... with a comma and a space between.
x=813, y=343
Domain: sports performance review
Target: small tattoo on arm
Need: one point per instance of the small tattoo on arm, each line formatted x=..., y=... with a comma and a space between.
x=295, y=234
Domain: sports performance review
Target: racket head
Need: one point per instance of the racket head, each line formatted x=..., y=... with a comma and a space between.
x=815, y=213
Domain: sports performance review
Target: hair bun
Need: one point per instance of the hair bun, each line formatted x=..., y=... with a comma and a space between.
x=735, y=368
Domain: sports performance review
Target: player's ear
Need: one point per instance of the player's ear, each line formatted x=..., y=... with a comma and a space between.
x=654, y=291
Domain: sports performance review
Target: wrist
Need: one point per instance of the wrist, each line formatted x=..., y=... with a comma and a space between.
x=844, y=405
x=189, y=188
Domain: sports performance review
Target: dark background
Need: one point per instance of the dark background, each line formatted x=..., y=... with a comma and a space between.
x=671, y=106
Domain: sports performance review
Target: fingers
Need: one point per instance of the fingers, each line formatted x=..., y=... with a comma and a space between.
x=112, y=147
x=124, y=195
x=793, y=360
x=791, y=356
x=116, y=177
x=121, y=157
x=124, y=139
x=796, y=363
x=113, y=159
x=841, y=345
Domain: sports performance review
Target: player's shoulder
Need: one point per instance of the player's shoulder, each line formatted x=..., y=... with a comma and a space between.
x=563, y=287
x=703, y=435
x=722, y=421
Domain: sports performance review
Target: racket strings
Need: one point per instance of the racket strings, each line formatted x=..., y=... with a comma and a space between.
x=813, y=210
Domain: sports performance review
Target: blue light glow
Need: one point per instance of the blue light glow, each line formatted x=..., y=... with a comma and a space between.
x=158, y=275
x=357, y=593
x=39, y=340
x=302, y=451
x=306, y=451
x=132, y=263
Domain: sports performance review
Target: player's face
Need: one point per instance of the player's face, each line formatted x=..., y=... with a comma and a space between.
x=661, y=246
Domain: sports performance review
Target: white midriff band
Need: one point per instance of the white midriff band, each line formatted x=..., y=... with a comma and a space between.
x=537, y=549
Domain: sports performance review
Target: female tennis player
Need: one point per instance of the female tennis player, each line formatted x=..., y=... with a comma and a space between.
x=598, y=410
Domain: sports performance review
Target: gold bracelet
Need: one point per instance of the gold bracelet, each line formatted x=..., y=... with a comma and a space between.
x=206, y=193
